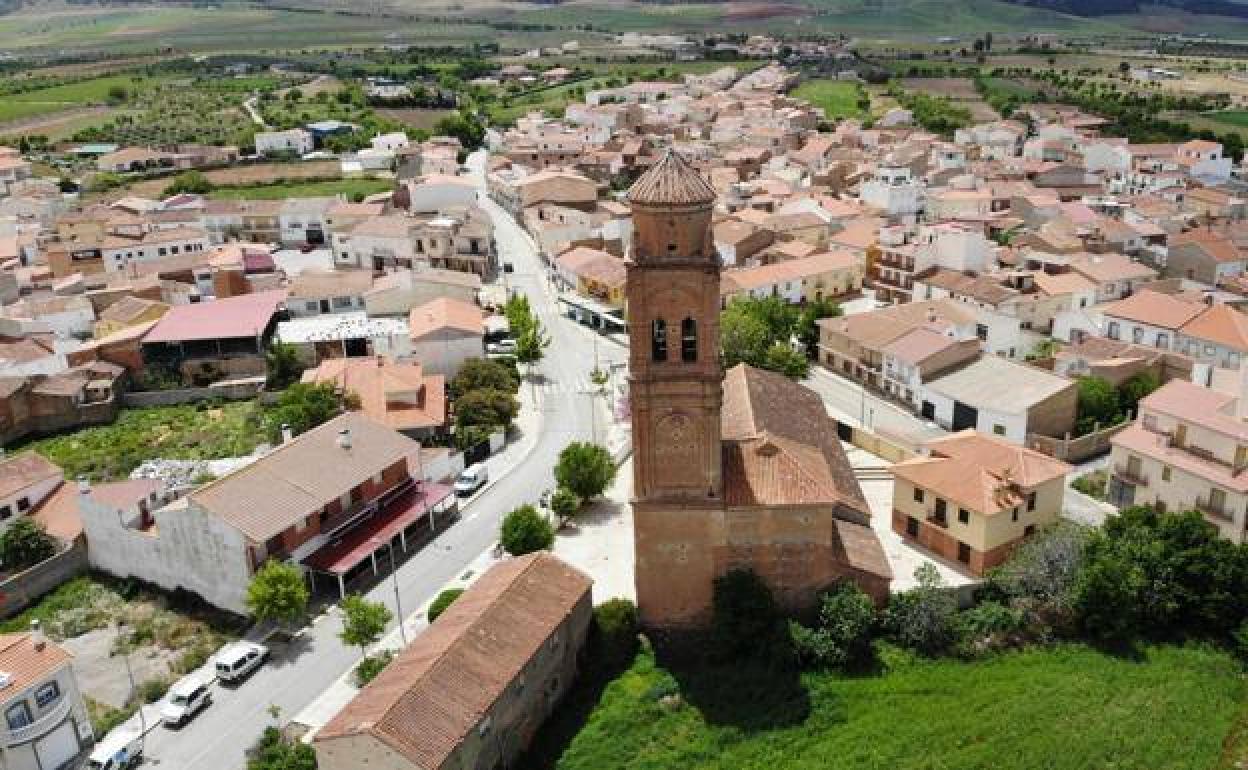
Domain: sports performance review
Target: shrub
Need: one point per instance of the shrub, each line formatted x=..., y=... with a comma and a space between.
x=372, y=665
x=1045, y=570
x=617, y=624
x=275, y=752
x=153, y=690
x=525, y=530
x=745, y=622
x=843, y=636
x=1094, y=485
x=564, y=504
x=363, y=621
x=987, y=626
x=443, y=600
x=922, y=619
x=25, y=544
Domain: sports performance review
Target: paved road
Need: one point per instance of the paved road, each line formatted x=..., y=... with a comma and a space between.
x=216, y=738
x=847, y=401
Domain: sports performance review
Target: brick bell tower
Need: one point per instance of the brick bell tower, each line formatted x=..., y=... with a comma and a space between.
x=675, y=391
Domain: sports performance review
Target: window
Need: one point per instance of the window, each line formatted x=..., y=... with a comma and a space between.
x=658, y=340
x=964, y=553
x=18, y=715
x=1165, y=473
x=1209, y=350
x=918, y=495
x=1014, y=514
x=912, y=526
x=981, y=331
x=1029, y=530
x=5, y=512
x=1163, y=340
x=689, y=340
x=47, y=694
x=1137, y=335
x=1031, y=501
x=963, y=516
x=1112, y=332
x=998, y=430
x=940, y=513
x=23, y=504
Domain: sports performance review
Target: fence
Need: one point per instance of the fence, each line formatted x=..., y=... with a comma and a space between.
x=876, y=444
x=234, y=391
x=22, y=589
x=1076, y=450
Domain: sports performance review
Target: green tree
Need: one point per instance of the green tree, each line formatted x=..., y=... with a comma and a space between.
x=807, y=326
x=1097, y=404
x=1134, y=389
x=786, y=360
x=363, y=622
x=283, y=365
x=25, y=544
x=843, y=636
x=483, y=373
x=486, y=408
x=584, y=469
x=564, y=503
x=743, y=338
x=524, y=530
x=275, y=752
x=277, y=593
x=531, y=344
x=760, y=332
x=193, y=182
x=746, y=624
x=924, y=618
x=303, y=406
x=443, y=600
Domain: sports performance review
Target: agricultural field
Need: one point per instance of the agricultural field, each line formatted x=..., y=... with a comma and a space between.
x=354, y=189
x=415, y=117
x=1062, y=708
x=251, y=175
x=18, y=106
x=960, y=91
x=838, y=99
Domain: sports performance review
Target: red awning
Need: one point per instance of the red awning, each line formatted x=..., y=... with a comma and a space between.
x=339, y=556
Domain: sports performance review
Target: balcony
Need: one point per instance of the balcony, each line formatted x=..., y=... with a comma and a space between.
x=900, y=282
x=42, y=725
x=1131, y=477
x=1209, y=508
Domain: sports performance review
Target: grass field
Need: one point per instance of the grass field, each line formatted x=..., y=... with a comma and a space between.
x=1232, y=118
x=352, y=188
x=1063, y=708
x=186, y=432
x=838, y=99
x=68, y=97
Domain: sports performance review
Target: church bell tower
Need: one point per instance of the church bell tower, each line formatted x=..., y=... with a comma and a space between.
x=676, y=389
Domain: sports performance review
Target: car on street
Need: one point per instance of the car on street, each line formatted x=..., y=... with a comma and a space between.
x=471, y=479
x=186, y=698
x=238, y=659
x=119, y=750
x=502, y=347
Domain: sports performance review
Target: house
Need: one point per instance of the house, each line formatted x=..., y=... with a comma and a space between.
x=1217, y=336
x=126, y=312
x=45, y=717
x=26, y=480
x=37, y=404
x=133, y=159
x=446, y=332
x=470, y=692
x=593, y=273
x=295, y=141
x=806, y=279
x=1115, y=275
x=1204, y=255
x=313, y=292
x=973, y=498
x=339, y=335
x=395, y=294
x=285, y=506
x=221, y=339
x=1187, y=450
x=999, y=397
x=1148, y=318
x=305, y=220
x=919, y=356
x=398, y=395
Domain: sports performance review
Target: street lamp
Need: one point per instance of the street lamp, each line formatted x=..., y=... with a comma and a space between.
x=125, y=656
x=394, y=576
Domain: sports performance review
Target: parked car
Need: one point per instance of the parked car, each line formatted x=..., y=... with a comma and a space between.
x=471, y=479
x=238, y=659
x=186, y=698
x=120, y=749
x=502, y=347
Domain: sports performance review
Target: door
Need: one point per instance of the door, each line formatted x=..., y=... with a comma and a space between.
x=964, y=553
x=928, y=410
x=324, y=306
x=58, y=747
x=964, y=416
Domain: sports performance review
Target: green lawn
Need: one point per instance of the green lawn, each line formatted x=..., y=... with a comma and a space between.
x=1233, y=118
x=1069, y=707
x=837, y=98
x=352, y=188
x=187, y=432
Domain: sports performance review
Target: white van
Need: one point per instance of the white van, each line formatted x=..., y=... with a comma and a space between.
x=120, y=749
x=238, y=659
x=185, y=699
x=471, y=479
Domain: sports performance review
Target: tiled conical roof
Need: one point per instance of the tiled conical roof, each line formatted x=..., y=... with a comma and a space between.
x=671, y=182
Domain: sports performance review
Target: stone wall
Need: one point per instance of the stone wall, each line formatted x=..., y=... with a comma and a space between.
x=22, y=589
x=234, y=391
x=1076, y=450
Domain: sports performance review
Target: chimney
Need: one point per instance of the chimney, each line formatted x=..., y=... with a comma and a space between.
x=287, y=433
x=36, y=635
x=344, y=438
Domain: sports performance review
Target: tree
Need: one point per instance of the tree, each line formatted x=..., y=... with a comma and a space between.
x=525, y=530
x=483, y=373
x=743, y=338
x=1097, y=405
x=1045, y=568
x=760, y=332
x=1134, y=389
x=442, y=601
x=584, y=469
x=277, y=593
x=807, y=328
x=25, y=544
x=117, y=94
x=193, y=182
x=564, y=503
x=923, y=618
x=531, y=344
x=487, y=408
x=275, y=752
x=283, y=365
x=464, y=126
x=363, y=622
x=786, y=360
x=843, y=636
x=303, y=406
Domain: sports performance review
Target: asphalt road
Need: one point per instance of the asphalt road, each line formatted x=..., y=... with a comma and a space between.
x=294, y=677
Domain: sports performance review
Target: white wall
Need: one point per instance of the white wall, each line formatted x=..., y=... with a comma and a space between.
x=34, y=495
x=445, y=352
x=1015, y=425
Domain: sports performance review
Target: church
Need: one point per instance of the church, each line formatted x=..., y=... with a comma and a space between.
x=741, y=469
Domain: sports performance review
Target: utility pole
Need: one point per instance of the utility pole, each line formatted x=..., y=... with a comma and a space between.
x=125, y=656
x=394, y=577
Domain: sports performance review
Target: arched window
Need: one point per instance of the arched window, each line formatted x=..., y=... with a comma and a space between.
x=658, y=340
x=689, y=340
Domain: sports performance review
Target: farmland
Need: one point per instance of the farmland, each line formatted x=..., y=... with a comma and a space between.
x=354, y=189
x=838, y=99
x=960, y=91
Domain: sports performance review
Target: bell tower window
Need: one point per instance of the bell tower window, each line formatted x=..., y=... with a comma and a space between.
x=689, y=340
x=658, y=340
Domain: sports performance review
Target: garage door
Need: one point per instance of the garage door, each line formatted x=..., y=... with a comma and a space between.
x=58, y=747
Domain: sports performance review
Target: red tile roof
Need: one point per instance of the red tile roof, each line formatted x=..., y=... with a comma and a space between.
x=244, y=316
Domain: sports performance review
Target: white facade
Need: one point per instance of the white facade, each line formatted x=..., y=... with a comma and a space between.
x=1011, y=427
x=46, y=723
x=893, y=190
x=24, y=500
x=391, y=142
x=296, y=140
x=444, y=351
x=437, y=193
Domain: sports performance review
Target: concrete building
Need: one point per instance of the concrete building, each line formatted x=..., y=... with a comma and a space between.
x=45, y=717
x=295, y=141
x=972, y=498
x=999, y=397
x=445, y=333
x=395, y=294
x=470, y=692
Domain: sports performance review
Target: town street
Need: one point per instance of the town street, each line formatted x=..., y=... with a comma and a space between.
x=218, y=736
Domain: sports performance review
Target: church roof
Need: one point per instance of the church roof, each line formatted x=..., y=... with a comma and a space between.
x=671, y=182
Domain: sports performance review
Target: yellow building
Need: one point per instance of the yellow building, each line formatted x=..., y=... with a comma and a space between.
x=127, y=312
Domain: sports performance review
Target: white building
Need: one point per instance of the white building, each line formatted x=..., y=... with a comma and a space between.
x=45, y=717
x=894, y=191
x=26, y=480
x=294, y=141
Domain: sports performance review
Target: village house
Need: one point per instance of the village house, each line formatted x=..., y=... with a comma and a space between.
x=284, y=507
x=814, y=278
x=26, y=480
x=38, y=404
x=395, y=394
x=920, y=356
x=315, y=292
x=46, y=724
x=472, y=690
x=221, y=339
x=295, y=141
x=972, y=498
x=1002, y=398
x=445, y=333
x=396, y=293
x=1205, y=255
x=593, y=273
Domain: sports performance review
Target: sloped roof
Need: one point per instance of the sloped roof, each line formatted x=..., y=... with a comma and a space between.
x=244, y=316
x=398, y=395
x=445, y=313
x=1220, y=324
x=1155, y=309
x=671, y=182
x=23, y=470
x=27, y=664
x=440, y=687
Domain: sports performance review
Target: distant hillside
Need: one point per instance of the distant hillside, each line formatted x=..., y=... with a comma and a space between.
x=1108, y=7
